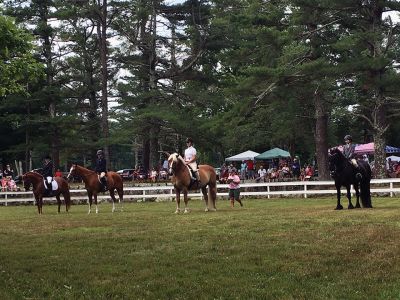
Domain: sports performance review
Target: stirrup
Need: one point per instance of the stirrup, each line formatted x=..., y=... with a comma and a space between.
x=359, y=176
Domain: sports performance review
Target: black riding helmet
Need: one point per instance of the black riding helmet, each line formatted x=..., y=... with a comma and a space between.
x=99, y=152
x=348, y=138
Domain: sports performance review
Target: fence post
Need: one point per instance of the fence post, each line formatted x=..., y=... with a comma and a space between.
x=268, y=190
x=391, y=189
x=305, y=190
x=144, y=193
x=6, y=198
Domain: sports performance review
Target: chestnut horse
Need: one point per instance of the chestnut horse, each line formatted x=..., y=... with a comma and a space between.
x=181, y=180
x=93, y=185
x=37, y=181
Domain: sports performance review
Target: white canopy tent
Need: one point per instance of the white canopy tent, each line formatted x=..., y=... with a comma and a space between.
x=247, y=155
x=393, y=158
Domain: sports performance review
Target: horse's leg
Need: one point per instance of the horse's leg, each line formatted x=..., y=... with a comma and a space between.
x=185, y=198
x=37, y=204
x=213, y=194
x=349, y=197
x=178, y=201
x=357, y=195
x=95, y=202
x=120, y=192
x=338, y=205
x=205, y=196
x=41, y=205
x=113, y=199
x=90, y=195
x=58, y=202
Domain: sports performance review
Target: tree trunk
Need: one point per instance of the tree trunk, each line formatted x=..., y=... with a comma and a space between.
x=321, y=133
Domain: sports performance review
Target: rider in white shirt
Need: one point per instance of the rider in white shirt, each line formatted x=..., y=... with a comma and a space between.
x=190, y=157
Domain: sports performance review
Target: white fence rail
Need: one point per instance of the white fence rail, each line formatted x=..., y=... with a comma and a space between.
x=304, y=189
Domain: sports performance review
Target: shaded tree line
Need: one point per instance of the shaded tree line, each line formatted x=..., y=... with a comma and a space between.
x=136, y=77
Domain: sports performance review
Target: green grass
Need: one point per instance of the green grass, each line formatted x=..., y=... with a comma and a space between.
x=270, y=249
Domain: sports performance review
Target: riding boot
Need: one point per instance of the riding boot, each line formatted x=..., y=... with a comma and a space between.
x=104, y=183
x=358, y=173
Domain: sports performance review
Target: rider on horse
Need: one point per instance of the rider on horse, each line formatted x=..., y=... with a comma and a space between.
x=349, y=152
x=101, y=169
x=47, y=173
x=190, y=159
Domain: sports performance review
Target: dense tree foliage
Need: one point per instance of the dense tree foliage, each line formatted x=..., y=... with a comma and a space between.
x=137, y=77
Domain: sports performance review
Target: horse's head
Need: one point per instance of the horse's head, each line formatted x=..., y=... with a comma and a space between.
x=173, y=160
x=26, y=182
x=335, y=158
x=72, y=172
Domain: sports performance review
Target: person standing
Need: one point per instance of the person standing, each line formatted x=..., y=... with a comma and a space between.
x=101, y=169
x=190, y=159
x=234, y=188
x=243, y=170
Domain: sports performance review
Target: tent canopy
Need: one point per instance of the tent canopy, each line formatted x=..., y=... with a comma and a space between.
x=273, y=153
x=247, y=155
x=393, y=158
x=370, y=149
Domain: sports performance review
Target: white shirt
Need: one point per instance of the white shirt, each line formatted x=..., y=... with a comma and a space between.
x=190, y=153
x=262, y=172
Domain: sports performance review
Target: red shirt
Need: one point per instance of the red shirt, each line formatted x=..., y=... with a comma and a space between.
x=250, y=165
x=58, y=174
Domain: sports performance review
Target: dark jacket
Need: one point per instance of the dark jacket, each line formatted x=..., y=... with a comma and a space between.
x=8, y=173
x=348, y=151
x=47, y=170
x=101, y=165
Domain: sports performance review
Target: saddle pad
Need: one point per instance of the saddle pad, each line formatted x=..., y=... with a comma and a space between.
x=54, y=185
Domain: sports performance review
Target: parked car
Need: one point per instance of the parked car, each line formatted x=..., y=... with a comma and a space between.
x=126, y=174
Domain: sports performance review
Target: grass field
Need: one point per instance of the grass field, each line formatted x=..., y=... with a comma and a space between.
x=270, y=249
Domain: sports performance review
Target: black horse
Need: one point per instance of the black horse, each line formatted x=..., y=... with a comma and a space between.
x=344, y=174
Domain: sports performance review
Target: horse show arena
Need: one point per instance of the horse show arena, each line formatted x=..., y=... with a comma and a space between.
x=277, y=248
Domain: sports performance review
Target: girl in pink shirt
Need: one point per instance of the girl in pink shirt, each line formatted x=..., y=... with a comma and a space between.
x=234, y=187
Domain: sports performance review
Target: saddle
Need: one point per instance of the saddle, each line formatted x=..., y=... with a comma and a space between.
x=50, y=186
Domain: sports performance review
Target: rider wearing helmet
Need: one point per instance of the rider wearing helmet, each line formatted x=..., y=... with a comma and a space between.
x=349, y=152
x=47, y=173
x=101, y=169
x=349, y=148
x=190, y=158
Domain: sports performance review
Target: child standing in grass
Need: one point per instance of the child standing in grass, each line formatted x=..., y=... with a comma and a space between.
x=234, y=187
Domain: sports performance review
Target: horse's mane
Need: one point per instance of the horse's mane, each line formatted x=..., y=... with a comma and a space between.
x=175, y=157
x=336, y=151
x=37, y=174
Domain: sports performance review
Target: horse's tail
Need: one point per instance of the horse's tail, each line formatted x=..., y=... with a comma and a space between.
x=365, y=193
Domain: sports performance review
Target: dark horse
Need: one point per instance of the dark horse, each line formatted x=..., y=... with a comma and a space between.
x=37, y=181
x=181, y=180
x=93, y=185
x=344, y=174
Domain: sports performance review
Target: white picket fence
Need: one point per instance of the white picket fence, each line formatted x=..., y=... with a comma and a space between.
x=389, y=187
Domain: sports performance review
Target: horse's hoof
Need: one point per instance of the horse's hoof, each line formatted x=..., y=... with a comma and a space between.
x=187, y=210
x=350, y=207
x=339, y=207
x=358, y=206
x=177, y=211
x=206, y=210
x=212, y=209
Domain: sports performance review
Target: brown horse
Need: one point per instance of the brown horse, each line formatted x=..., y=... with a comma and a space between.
x=37, y=181
x=93, y=185
x=181, y=180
